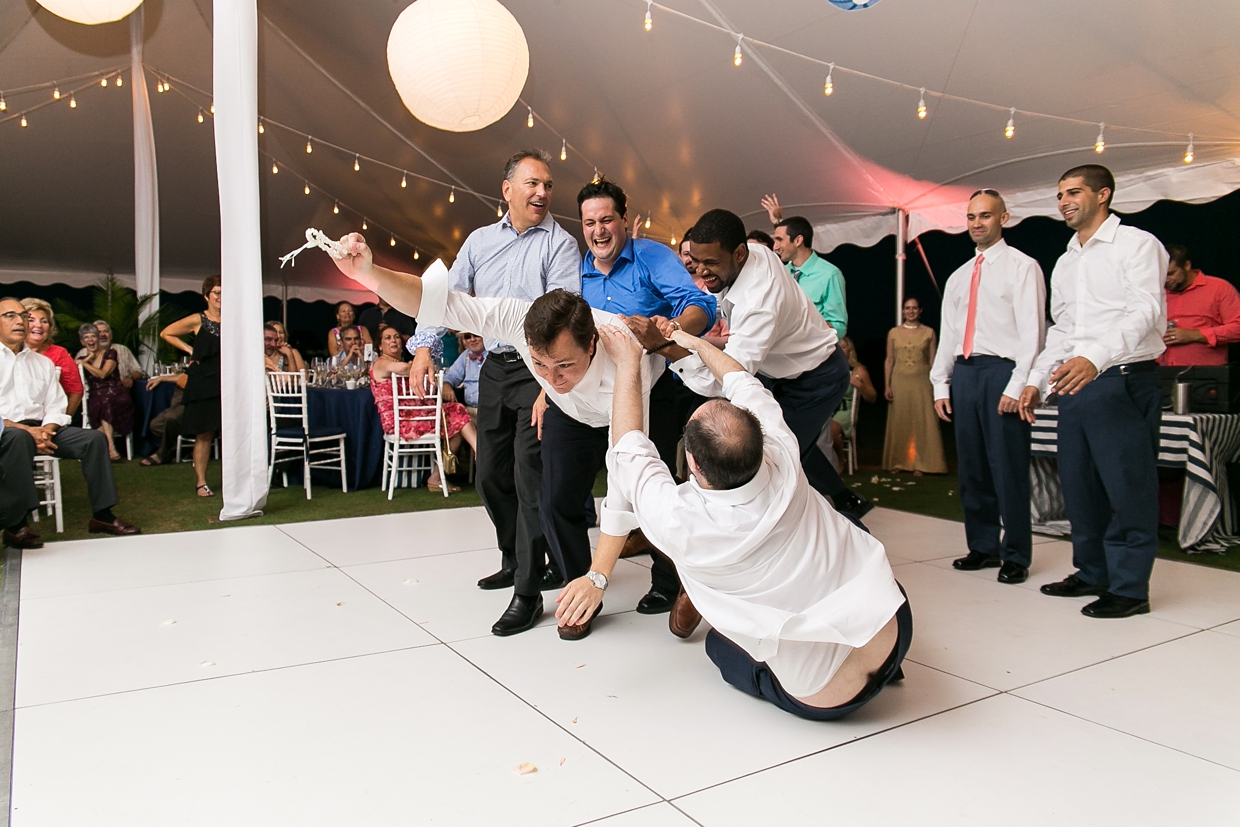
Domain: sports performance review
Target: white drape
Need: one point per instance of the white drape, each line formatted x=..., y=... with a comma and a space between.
x=145, y=184
x=244, y=440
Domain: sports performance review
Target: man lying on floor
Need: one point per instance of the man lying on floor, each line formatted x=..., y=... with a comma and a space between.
x=805, y=609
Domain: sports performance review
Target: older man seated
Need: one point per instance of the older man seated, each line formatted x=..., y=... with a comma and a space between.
x=351, y=354
x=127, y=365
x=33, y=405
x=805, y=609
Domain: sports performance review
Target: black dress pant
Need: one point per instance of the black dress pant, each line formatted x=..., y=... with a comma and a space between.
x=808, y=401
x=17, y=453
x=572, y=455
x=1108, y=454
x=510, y=466
x=993, y=454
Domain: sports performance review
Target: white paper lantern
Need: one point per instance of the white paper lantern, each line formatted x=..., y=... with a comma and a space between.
x=458, y=65
x=91, y=12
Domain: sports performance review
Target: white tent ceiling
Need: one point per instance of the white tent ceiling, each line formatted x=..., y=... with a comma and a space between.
x=664, y=113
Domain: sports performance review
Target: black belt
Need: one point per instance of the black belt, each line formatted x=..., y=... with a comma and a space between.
x=505, y=355
x=982, y=358
x=1147, y=366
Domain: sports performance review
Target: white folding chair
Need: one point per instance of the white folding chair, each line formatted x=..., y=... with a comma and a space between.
x=408, y=408
x=86, y=415
x=47, y=480
x=188, y=442
x=850, y=441
x=292, y=437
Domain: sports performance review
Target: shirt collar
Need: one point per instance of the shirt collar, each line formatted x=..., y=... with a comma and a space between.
x=1104, y=235
x=736, y=496
x=476, y=357
x=545, y=224
x=628, y=253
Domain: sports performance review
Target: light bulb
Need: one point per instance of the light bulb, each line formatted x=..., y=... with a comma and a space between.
x=275, y=168
x=72, y=101
x=647, y=222
x=120, y=81
x=921, y=105
x=452, y=196
x=673, y=240
x=336, y=208
x=200, y=117
x=307, y=188
x=3, y=104
x=357, y=165
x=167, y=85
x=103, y=82
x=1188, y=155
x=564, y=150
x=529, y=121
x=393, y=241
x=737, y=57
x=649, y=24
x=261, y=130
x=24, y=122
x=56, y=94
x=416, y=256
x=1100, y=144
x=364, y=225
x=159, y=86
x=404, y=180
x=309, y=146
x=1010, y=129
x=499, y=211
x=212, y=109
x=829, y=87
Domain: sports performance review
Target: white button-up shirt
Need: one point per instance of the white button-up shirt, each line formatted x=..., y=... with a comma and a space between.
x=1010, y=320
x=775, y=329
x=768, y=563
x=589, y=402
x=29, y=388
x=1107, y=301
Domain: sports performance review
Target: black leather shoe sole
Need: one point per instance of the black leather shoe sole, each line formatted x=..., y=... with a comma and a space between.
x=857, y=508
x=517, y=620
x=655, y=603
x=976, y=561
x=1110, y=606
x=1013, y=573
x=502, y=579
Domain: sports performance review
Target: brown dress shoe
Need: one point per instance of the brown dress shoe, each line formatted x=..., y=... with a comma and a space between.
x=118, y=528
x=635, y=544
x=22, y=538
x=684, y=618
x=582, y=629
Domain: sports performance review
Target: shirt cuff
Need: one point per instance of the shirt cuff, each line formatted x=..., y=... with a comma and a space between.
x=942, y=390
x=1037, y=379
x=57, y=419
x=1014, y=388
x=434, y=295
x=615, y=522
x=1097, y=355
x=431, y=338
x=1211, y=335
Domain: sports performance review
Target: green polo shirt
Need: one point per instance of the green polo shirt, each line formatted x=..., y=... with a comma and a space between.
x=823, y=282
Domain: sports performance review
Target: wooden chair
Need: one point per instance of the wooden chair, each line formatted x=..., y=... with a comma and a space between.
x=408, y=408
x=292, y=437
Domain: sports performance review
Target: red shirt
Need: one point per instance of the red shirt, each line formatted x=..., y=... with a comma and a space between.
x=1212, y=306
x=70, y=376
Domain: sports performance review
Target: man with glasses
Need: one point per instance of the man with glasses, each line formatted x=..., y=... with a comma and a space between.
x=467, y=368
x=993, y=314
x=33, y=405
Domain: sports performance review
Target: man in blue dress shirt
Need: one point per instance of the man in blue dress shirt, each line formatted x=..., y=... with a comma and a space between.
x=630, y=277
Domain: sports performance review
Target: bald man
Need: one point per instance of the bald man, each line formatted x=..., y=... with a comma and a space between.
x=993, y=325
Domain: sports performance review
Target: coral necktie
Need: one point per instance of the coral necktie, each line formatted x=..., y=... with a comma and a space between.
x=971, y=317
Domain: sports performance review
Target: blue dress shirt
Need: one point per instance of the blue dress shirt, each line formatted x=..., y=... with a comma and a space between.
x=647, y=279
x=464, y=374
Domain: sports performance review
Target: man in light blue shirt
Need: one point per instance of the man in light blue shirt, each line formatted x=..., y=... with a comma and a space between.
x=468, y=366
x=522, y=256
x=821, y=280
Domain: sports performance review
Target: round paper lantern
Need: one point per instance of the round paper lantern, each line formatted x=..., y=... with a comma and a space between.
x=459, y=65
x=91, y=12
x=852, y=5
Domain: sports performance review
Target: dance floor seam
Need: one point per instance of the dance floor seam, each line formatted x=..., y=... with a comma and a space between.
x=358, y=682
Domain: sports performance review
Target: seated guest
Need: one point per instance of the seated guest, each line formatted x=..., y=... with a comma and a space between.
x=127, y=365
x=465, y=370
x=108, y=406
x=457, y=423
x=290, y=356
x=1203, y=314
x=166, y=425
x=32, y=406
x=372, y=319
x=804, y=607
x=842, y=424
x=350, y=354
x=345, y=316
x=39, y=332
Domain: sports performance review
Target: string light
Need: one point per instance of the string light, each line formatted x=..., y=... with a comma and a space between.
x=393, y=241
x=167, y=85
x=649, y=24
x=275, y=168
x=3, y=103
x=829, y=87
x=200, y=117
x=1010, y=129
x=499, y=210
x=564, y=149
x=1101, y=143
x=336, y=208
x=261, y=130
x=737, y=57
x=647, y=222
x=307, y=188
x=416, y=256
x=212, y=109
x=309, y=146
x=357, y=163
x=24, y=122
x=72, y=101
x=120, y=81
x=103, y=82
x=529, y=121
x=1188, y=154
x=673, y=239
x=452, y=196
x=404, y=180
x=921, y=105
x=56, y=94
x=364, y=224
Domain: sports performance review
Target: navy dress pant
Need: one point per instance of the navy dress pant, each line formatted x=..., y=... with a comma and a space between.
x=993, y=456
x=1108, y=453
x=808, y=401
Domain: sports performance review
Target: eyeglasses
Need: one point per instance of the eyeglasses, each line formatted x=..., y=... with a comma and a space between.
x=13, y=316
x=990, y=192
x=468, y=336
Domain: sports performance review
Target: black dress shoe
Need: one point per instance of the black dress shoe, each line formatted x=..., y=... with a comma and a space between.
x=1013, y=573
x=520, y=616
x=849, y=503
x=22, y=538
x=976, y=561
x=1071, y=586
x=1114, y=605
x=117, y=528
x=502, y=579
x=655, y=603
x=551, y=580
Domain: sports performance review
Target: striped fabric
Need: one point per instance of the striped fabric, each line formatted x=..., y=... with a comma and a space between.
x=1201, y=444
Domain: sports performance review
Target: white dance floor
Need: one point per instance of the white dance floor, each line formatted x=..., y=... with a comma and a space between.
x=343, y=673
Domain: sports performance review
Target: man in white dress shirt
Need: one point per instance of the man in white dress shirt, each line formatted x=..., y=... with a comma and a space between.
x=1109, y=316
x=993, y=314
x=556, y=335
x=804, y=607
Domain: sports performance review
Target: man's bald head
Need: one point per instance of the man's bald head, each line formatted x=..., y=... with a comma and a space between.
x=725, y=442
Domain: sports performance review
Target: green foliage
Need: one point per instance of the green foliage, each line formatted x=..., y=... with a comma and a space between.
x=120, y=307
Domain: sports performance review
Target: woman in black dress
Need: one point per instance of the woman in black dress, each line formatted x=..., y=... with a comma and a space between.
x=202, y=387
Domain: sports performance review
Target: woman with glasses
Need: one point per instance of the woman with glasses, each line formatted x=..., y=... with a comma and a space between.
x=108, y=406
x=202, y=387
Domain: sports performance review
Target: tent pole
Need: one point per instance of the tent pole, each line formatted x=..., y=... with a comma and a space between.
x=284, y=305
x=145, y=191
x=901, y=233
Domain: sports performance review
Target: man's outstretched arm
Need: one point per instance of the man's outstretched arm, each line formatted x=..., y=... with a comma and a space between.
x=717, y=362
x=402, y=290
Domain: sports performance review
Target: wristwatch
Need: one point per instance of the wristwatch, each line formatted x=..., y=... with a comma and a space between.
x=598, y=579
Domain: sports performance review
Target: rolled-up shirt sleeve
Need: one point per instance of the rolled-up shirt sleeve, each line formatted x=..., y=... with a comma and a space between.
x=640, y=481
x=1228, y=309
x=564, y=270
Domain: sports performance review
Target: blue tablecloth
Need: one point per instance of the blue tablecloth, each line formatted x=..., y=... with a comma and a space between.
x=354, y=412
x=146, y=406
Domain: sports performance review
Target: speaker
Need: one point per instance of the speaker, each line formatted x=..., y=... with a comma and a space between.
x=1214, y=388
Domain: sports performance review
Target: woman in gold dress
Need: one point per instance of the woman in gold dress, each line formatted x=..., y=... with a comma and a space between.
x=913, y=442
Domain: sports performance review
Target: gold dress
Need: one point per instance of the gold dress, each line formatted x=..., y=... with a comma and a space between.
x=913, y=442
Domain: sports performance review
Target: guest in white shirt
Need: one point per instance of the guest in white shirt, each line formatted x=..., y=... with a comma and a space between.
x=556, y=336
x=993, y=314
x=804, y=607
x=1109, y=316
x=32, y=406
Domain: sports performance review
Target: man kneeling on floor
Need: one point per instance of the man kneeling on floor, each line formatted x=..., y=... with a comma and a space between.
x=805, y=609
